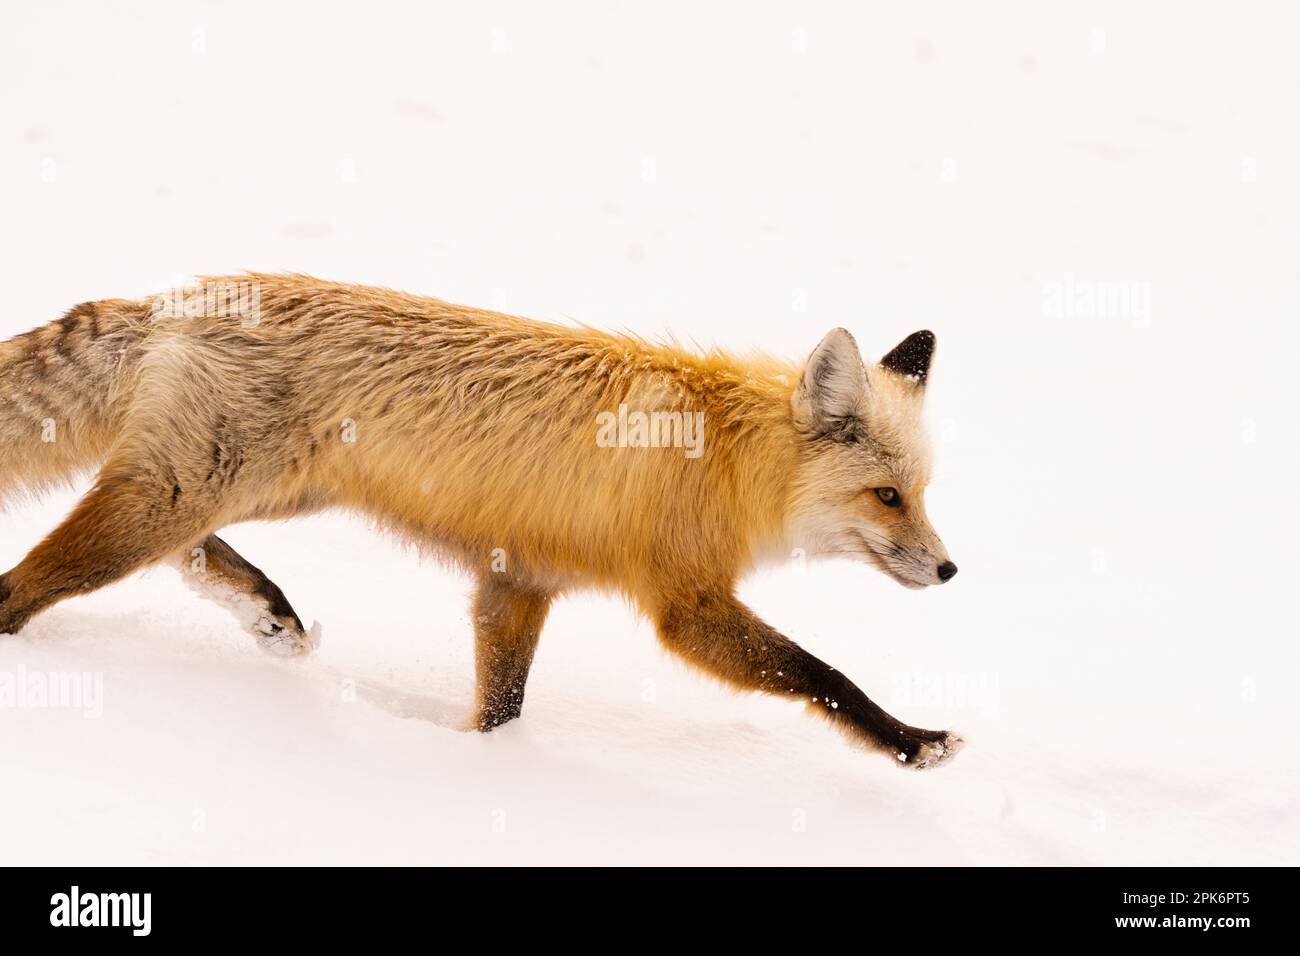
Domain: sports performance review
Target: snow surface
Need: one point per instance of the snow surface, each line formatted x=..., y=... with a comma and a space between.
x=1119, y=488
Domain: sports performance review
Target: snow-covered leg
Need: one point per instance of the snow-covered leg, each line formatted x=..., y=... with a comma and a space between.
x=218, y=572
x=508, y=618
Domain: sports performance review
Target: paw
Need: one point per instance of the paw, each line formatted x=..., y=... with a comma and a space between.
x=929, y=754
x=11, y=622
x=285, y=640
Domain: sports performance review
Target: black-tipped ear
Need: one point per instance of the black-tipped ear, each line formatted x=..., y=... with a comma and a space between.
x=911, y=357
x=832, y=387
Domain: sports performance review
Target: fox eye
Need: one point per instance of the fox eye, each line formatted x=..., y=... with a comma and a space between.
x=889, y=496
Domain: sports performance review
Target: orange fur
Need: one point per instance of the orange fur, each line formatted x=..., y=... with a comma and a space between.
x=471, y=432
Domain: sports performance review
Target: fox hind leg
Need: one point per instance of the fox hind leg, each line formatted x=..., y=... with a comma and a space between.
x=508, y=619
x=218, y=572
x=129, y=519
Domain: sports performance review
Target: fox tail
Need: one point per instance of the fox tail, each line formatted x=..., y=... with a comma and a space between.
x=63, y=390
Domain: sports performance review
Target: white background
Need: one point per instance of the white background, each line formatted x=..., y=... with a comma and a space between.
x=1119, y=490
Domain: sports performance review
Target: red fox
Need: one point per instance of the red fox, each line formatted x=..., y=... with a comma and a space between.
x=541, y=457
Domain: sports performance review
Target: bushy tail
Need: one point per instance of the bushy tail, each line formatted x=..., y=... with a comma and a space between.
x=63, y=389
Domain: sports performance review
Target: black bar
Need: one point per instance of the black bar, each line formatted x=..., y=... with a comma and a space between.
x=812, y=907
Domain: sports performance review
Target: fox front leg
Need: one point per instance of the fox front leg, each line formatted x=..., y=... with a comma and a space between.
x=508, y=619
x=721, y=636
x=218, y=572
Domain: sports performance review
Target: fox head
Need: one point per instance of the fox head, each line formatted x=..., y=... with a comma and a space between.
x=864, y=460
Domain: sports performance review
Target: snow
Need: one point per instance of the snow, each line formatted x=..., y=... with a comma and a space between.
x=1095, y=212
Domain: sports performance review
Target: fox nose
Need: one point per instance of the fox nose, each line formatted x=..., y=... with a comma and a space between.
x=946, y=571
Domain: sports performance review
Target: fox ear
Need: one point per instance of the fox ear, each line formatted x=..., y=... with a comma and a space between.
x=832, y=387
x=911, y=357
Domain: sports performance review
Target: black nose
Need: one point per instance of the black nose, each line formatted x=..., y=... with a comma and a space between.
x=946, y=571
